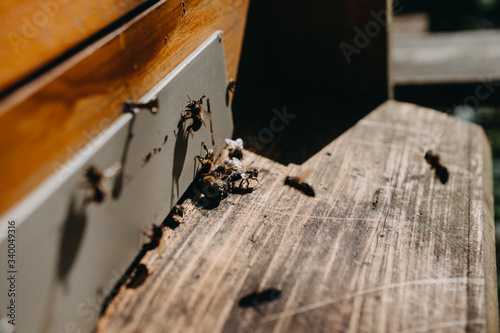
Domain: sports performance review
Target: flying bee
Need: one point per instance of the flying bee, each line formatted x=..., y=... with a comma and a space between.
x=235, y=148
x=195, y=111
x=435, y=163
x=241, y=172
x=207, y=161
x=99, y=181
x=299, y=183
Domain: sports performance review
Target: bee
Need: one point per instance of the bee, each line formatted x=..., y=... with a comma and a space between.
x=235, y=148
x=177, y=213
x=299, y=183
x=440, y=169
x=225, y=168
x=213, y=187
x=98, y=181
x=241, y=172
x=174, y=219
x=231, y=86
x=207, y=161
x=221, y=170
x=258, y=298
x=195, y=111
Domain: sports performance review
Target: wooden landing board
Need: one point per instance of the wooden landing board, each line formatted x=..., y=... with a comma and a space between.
x=463, y=57
x=383, y=247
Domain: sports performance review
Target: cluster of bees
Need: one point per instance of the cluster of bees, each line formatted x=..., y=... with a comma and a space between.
x=217, y=180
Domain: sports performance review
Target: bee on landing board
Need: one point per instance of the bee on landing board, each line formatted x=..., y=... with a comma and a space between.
x=440, y=169
x=206, y=161
x=175, y=218
x=214, y=187
x=301, y=184
x=195, y=111
x=241, y=172
x=235, y=148
x=209, y=176
x=177, y=213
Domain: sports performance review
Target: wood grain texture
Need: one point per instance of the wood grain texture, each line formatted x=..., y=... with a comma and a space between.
x=383, y=247
x=36, y=32
x=46, y=122
x=461, y=57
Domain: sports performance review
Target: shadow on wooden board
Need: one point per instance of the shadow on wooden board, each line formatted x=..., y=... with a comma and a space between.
x=302, y=79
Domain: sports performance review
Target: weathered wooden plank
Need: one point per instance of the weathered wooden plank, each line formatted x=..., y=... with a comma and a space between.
x=382, y=247
x=36, y=32
x=463, y=57
x=44, y=123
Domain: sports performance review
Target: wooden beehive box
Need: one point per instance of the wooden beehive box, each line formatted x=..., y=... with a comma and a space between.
x=383, y=246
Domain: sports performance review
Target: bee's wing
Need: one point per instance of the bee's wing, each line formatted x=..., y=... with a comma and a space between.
x=239, y=143
x=237, y=163
x=305, y=174
x=230, y=164
x=208, y=113
x=224, y=156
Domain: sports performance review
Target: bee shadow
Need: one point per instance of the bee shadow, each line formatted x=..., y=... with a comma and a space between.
x=259, y=298
x=71, y=238
x=138, y=277
x=242, y=191
x=118, y=184
x=180, y=151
